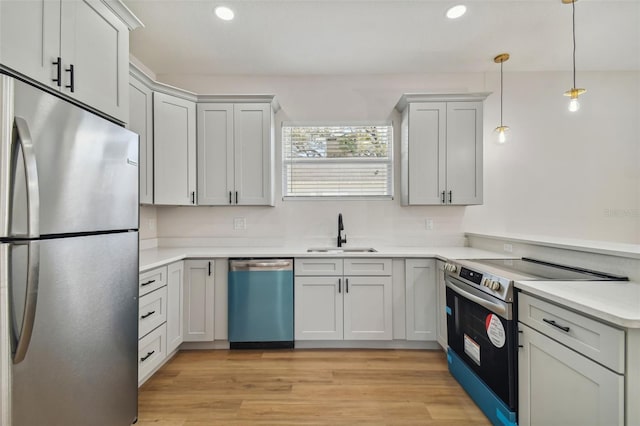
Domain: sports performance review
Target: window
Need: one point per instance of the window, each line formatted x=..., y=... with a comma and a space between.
x=337, y=161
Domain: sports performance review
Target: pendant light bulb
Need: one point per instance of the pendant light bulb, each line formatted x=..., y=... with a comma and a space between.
x=502, y=134
x=574, y=105
x=502, y=131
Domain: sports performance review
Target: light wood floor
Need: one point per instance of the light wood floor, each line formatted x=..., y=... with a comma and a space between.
x=346, y=387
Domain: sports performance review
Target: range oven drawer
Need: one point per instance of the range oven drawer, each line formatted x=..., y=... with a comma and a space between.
x=600, y=342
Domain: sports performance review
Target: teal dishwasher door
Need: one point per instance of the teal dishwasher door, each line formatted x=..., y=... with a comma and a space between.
x=260, y=303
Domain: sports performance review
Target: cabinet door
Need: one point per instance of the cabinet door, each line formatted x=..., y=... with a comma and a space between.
x=318, y=308
x=561, y=387
x=254, y=153
x=141, y=122
x=464, y=153
x=30, y=38
x=175, y=305
x=368, y=307
x=198, y=301
x=215, y=155
x=441, y=319
x=420, y=293
x=174, y=153
x=96, y=43
x=427, y=136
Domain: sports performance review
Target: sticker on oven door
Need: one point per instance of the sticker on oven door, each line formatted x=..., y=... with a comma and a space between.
x=495, y=330
x=472, y=349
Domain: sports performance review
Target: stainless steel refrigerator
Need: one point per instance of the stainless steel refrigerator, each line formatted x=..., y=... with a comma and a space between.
x=68, y=263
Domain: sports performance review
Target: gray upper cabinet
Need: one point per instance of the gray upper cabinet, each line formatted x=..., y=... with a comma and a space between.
x=174, y=142
x=141, y=122
x=441, y=149
x=79, y=47
x=236, y=152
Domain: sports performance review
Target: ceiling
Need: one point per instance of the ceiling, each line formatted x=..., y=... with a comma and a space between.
x=309, y=37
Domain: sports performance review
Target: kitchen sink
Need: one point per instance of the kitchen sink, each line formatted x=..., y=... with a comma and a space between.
x=342, y=250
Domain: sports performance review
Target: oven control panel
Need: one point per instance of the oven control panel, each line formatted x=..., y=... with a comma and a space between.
x=469, y=275
x=495, y=285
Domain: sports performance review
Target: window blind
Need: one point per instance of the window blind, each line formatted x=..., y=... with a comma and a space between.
x=337, y=161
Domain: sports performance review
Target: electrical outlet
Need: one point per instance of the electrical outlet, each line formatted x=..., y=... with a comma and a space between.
x=428, y=224
x=508, y=248
x=151, y=225
x=239, y=223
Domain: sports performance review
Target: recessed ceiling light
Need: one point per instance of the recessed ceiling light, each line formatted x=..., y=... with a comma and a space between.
x=456, y=11
x=224, y=13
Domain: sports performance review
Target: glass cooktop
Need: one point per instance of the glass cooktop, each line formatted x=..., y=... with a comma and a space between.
x=540, y=270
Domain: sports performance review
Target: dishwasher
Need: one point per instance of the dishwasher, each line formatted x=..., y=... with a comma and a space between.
x=260, y=303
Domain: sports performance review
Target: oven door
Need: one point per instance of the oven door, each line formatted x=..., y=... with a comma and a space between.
x=482, y=332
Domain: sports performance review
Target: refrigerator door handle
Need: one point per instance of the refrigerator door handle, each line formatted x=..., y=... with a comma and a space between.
x=22, y=136
x=22, y=341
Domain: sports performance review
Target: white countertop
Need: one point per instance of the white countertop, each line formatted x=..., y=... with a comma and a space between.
x=602, y=247
x=155, y=257
x=616, y=302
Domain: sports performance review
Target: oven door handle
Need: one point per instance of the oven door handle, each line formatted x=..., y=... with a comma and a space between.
x=496, y=308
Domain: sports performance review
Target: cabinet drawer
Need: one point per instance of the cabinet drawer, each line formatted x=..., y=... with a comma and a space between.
x=318, y=267
x=151, y=351
x=598, y=341
x=367, y=267
x=152, y=280
x=152, y=311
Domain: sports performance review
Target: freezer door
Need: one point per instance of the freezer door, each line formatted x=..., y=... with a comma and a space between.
x=80, y=364
x=86, y=168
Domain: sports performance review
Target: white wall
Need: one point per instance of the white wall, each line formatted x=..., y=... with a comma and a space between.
x=574, y=176
x=564, y=174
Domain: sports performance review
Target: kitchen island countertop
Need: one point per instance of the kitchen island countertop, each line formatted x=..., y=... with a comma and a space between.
x=616, y=302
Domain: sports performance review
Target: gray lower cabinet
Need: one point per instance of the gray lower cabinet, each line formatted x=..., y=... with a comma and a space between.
x=198, y=300
x=343, y=299
x=175, y=305
x=558, y=385
x=420, y=296
x=441, y=290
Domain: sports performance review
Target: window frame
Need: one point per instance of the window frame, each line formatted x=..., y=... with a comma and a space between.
x=390, y=161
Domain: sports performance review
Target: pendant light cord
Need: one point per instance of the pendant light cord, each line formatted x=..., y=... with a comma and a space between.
x=573, y=7
x=501, y=91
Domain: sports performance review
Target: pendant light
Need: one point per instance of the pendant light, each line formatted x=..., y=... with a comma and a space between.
x=574, y=92
x=502, y=131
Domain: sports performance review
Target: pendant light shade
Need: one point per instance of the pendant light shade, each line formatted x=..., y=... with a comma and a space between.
x=574, y=92
x=501, y=132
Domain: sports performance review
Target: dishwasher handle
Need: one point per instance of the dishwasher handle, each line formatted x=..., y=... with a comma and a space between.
x=261, y=265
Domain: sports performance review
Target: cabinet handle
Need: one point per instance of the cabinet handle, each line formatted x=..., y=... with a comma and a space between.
x=58, y=64
x=144, y=358
x=339, y=285
x=443, y=197
x=72, y=73
x=236, y=197
x=193, y=197
x=147, y=283
x=230, y=202
x=346, y=285
x=553, y=323
x=209, y=268
x=450, y=194
x=148, y=314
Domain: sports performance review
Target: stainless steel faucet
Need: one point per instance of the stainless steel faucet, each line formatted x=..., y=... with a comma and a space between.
x=340, y=229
